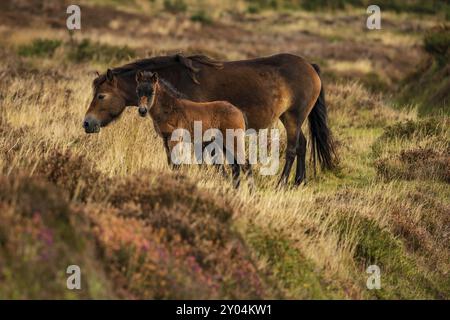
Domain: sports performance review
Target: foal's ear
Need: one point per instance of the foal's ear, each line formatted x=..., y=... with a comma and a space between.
x=109, y=75
x=139, y=76
x=154, y=77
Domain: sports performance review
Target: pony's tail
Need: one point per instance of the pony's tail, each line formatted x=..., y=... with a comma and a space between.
x=245, y=120
x=322, y=144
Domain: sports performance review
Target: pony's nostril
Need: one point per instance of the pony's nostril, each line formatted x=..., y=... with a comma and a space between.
x=85, y=124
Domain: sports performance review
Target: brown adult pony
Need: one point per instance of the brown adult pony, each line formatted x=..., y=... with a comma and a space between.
x=283, y=86
x=170, y=111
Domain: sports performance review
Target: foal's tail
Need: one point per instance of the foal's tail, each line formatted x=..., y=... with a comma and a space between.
x=322, y=144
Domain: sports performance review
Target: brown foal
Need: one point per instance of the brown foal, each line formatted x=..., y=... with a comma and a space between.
x=170, y=111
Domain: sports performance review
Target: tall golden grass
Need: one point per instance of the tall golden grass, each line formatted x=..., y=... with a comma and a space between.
x=315, y=241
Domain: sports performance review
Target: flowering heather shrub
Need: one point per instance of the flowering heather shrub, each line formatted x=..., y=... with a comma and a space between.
x=415, y=164
x=139, y=260
x=165, y=239
x=72, y=173
x=38, y=240
x=414, y=150
x=410, y=129
x=162, y=239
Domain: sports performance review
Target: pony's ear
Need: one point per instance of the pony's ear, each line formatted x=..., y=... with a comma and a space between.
x=109, y=75
x=154, y=77
x=139, y=76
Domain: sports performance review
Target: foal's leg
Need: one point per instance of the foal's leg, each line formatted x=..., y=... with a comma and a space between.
x=166, y=148
x=166, y=138
x=292, y=131
x=219, y=167
x=300, y=174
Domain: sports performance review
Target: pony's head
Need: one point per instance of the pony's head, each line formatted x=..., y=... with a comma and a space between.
x=107, y=104
x=145, y=89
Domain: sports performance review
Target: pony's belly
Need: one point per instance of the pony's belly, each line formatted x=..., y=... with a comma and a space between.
x=259, y=122
x=265, y=115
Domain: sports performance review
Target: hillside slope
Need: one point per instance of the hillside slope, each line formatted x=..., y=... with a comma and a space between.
x=137, y=229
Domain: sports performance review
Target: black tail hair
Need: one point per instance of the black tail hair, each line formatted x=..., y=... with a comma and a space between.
x=245, y=120
x=322, y=144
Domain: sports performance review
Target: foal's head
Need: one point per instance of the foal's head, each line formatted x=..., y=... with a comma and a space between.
x=145, y=89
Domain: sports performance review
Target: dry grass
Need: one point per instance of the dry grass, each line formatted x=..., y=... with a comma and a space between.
x=312, y=242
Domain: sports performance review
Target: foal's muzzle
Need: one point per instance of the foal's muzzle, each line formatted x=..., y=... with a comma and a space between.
x=142, y=111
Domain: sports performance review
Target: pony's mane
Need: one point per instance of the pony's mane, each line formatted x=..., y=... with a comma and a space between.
x=157, y=63
x=168, y=87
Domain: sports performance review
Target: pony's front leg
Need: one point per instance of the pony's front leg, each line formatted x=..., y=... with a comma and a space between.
x=247, y=170
x=244, y=163
x=235, y=166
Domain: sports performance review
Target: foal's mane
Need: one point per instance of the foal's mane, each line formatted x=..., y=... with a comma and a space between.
x=168, y=87
x=157, y=63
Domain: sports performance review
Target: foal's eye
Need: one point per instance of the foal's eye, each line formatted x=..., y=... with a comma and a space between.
x=101, y=96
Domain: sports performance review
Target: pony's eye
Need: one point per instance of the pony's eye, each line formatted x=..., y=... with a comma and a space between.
x=101, y=96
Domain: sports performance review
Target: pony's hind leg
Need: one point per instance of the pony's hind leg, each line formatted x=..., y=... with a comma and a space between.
x=240, y=158
x=300, y=174
x=243, y=161
x=247, y=170
x=292, y=131
x=235, y=166
x=235, y=169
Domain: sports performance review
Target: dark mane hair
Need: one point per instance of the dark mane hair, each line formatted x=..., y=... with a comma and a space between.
x=162, y=62
x=171, y=89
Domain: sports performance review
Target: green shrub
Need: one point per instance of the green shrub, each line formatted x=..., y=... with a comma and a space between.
x=175, y=6
x=437, y=44
x=329, y=4
x=39, y=48
x=253, y=9
x=258, y=5
x=375, y=83
x=414, y=150
x=415, y=6
x=428, y=86
x=88, y=51
x=408, y=129
x=416, y=163
x=202, y=17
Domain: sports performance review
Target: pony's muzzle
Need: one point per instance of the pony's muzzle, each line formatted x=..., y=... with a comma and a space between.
x=91, y=125
x=142, y=111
